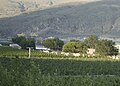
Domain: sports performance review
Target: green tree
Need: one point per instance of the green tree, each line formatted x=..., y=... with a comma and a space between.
x=74, y=47
x=53, y=43
x=91, y=41
x=102, y=47
x=74, y=40
x=24, y=42
x=106, y=47
x=18, y=39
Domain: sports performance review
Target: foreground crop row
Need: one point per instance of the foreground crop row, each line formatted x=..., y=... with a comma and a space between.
x=51, y=72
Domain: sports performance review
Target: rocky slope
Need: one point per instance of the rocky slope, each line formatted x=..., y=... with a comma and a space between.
x=15, y=7
x=71, y=20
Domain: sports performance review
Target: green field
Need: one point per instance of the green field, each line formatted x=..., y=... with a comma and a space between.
x=42, y=69
x=20, y=53
x=12, y=52
x=56, y=72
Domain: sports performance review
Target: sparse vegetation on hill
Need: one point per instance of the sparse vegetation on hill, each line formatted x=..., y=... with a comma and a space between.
x=100, y=18
x=17, y=7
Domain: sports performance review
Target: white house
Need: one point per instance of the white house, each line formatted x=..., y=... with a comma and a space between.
x=76, y=54
x=91, y=52
x=15, y=46
x=118, y=46
x=41, y=48
x=70, y=54
x=56, y=52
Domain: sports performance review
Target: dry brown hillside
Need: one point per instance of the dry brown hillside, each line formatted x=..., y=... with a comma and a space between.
x=16, y=7
x=70, y=20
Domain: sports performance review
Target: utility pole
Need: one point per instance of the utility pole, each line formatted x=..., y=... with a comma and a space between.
x=29, y=52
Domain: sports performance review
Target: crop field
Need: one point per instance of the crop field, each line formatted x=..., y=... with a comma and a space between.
x=42, y=69
x=20, y=53
x=12, y=52
x=58, y=72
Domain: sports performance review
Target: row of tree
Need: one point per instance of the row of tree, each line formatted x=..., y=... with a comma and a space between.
x=102, y=47
x=24, y=42
x=53, y=43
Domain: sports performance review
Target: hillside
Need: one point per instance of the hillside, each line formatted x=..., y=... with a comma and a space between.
x=15, y=7
x=75, y=20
